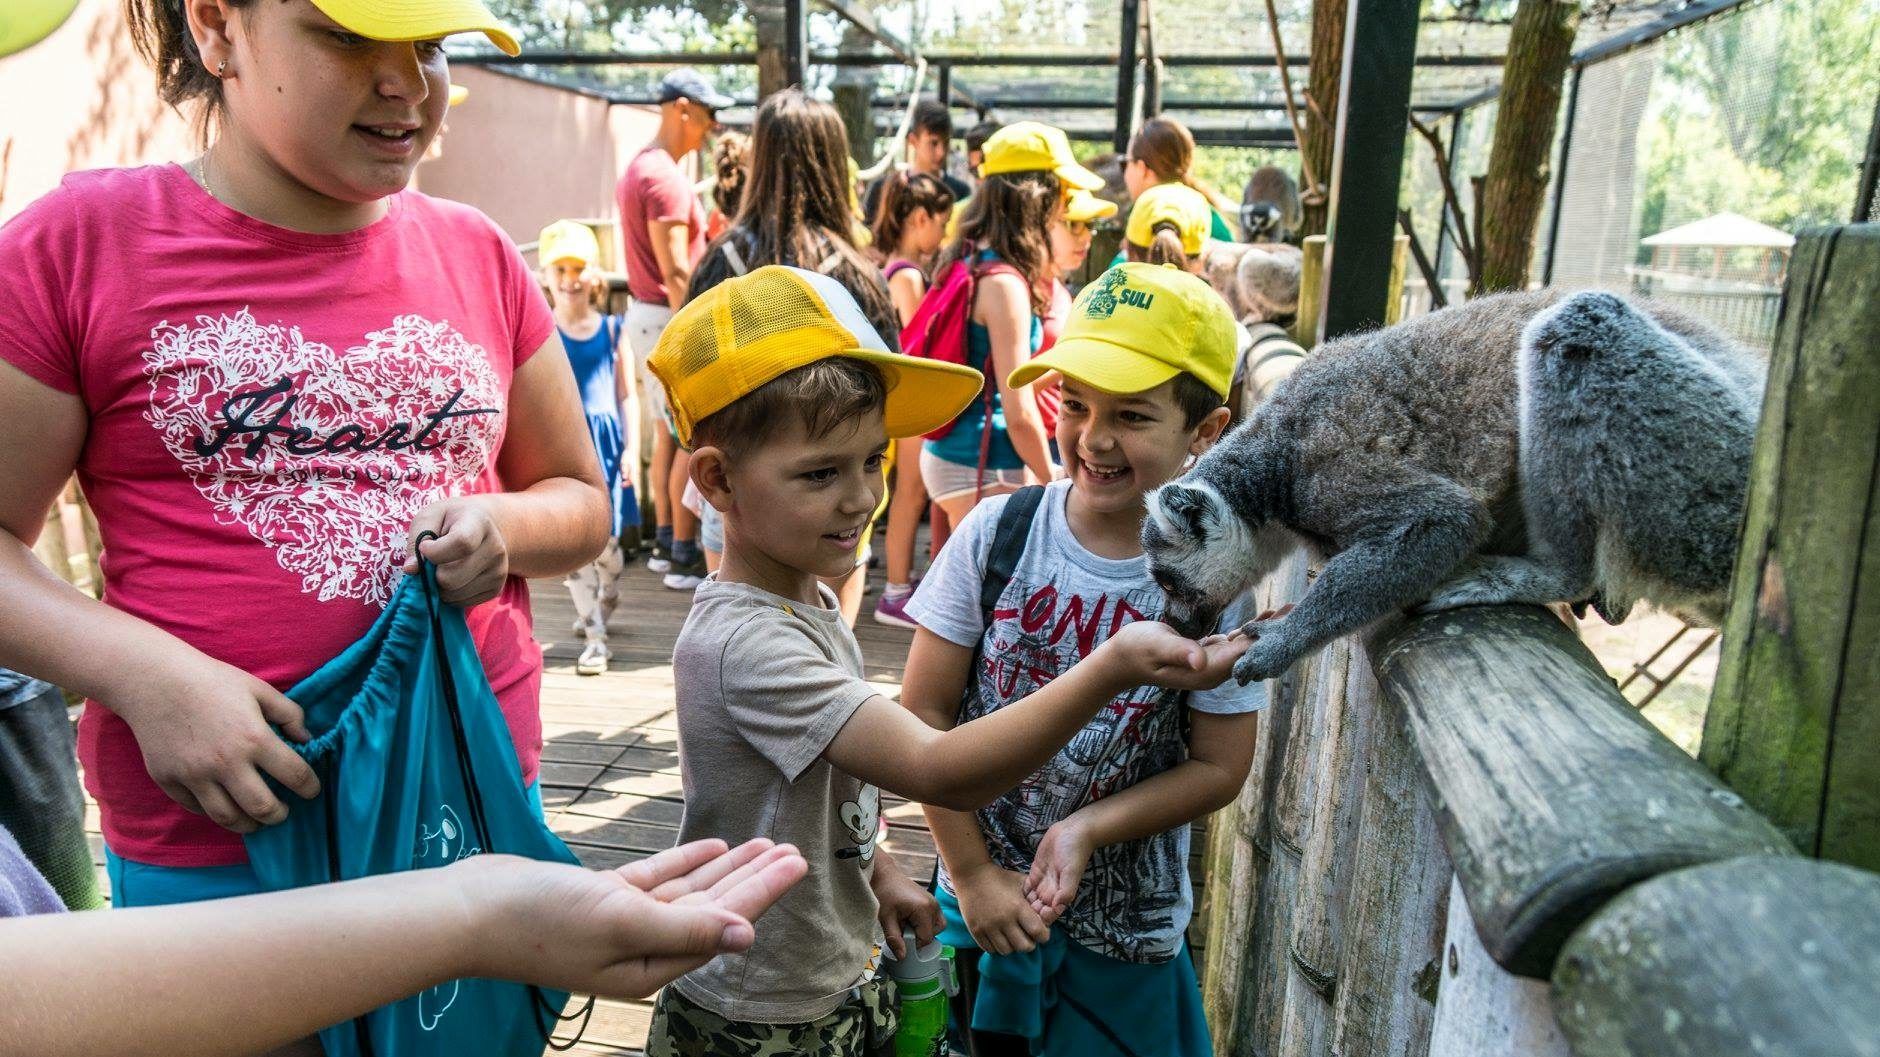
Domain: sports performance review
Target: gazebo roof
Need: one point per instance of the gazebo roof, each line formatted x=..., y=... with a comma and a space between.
x=1725, y=230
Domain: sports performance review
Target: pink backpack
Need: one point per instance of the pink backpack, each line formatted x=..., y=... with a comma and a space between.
x=938, y=329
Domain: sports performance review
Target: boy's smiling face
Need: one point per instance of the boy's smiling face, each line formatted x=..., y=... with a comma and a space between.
x=1118, y=447
x=798, y=503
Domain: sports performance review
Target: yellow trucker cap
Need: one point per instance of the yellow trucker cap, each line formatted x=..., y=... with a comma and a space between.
x=1082, y=205
x=418, y=20
x=755, y=328
x=1176, y=204
x=1139, y=326
x=567, y=240
x=1031, y=146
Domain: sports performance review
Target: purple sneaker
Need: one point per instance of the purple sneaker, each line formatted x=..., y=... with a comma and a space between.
x=893, y=612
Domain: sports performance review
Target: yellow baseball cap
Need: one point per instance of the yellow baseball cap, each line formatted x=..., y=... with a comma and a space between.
x=1031, y=146
x=27, y=22
x=567, y=240
x=1082, y=205
x=1139, y=326
x=755, y=328
x=418, y=20
x=1176, y=204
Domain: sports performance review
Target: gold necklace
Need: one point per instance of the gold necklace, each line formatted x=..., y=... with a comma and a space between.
x=202, y=174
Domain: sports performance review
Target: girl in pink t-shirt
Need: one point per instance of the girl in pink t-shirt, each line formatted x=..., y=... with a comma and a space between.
x=271, y=368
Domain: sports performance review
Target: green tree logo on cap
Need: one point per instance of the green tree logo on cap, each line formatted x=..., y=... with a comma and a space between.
x=1100, y=299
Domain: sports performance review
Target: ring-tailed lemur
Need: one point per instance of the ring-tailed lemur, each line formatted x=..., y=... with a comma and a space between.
x=1519, y=448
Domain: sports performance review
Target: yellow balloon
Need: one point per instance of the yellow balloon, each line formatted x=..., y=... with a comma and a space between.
x=24, y=23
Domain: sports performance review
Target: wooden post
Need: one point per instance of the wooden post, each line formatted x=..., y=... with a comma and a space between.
x=1483, y=1010
x=1794, y=722
x=1126, y=74
x=1758, y=956
x=781, y=54
x=1540, y=46
x=1373, y=111
x=1305, y=328
x=1323, y=75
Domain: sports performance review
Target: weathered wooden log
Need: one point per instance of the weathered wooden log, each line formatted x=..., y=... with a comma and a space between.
x=1757, y=957
x=1388, y=969
x=1794, y=724
x=1483, y=1010
x=1553, y=794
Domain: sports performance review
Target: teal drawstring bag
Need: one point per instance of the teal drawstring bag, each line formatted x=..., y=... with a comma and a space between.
x=416, y=771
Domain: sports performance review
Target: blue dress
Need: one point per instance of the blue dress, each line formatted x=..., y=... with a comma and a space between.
x=593, y=361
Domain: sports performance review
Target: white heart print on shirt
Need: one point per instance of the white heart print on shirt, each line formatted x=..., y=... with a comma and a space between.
x=324, y=457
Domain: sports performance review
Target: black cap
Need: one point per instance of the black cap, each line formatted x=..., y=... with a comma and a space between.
x=688, y=83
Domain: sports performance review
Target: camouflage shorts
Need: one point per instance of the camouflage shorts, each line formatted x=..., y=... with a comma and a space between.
x=862, y=1026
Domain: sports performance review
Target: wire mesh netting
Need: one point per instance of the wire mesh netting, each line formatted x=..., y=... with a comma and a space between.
x=1692, y=162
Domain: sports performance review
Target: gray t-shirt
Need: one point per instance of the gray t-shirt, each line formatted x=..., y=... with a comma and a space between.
x=1061, y=603
x=764, y=684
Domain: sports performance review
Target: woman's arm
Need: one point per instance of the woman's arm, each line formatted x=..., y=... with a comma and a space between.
x=1005, y=307
x=239, y=976
x=627, y=395
x=202, y=724
x=1220, y=753
x=553, y=516
x=906, y=287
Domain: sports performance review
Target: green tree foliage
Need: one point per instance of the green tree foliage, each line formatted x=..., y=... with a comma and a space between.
x=1763, y=114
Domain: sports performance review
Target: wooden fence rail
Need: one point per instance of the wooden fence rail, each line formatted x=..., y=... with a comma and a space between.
x=1609, y=895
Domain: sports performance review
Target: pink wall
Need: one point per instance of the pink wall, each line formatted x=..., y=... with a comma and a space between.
x=528, y=154
x=81, y=99
x=524, y=153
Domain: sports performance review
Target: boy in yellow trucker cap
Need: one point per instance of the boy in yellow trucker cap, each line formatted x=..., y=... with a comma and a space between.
x=1068, y=898
x=789, y=398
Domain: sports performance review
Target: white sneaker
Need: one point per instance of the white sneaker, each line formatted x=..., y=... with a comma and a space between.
x=683, y=581
x=659, y=565
x=593, y=659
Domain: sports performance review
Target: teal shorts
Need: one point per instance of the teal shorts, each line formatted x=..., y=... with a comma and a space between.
x=1072, y=1002
x=137, y=884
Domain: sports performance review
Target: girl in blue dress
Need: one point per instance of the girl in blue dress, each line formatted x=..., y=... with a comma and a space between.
x=569, y=252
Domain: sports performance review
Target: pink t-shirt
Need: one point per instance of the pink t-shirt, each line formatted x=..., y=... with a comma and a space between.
x=269, y=409
x=654, y=188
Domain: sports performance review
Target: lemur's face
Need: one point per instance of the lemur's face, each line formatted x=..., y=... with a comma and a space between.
x=1199, y=552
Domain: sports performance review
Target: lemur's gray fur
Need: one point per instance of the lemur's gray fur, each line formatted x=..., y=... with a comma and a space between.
x=1519, y=448
x=1259, y=282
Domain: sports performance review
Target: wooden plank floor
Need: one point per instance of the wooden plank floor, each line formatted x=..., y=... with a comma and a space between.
x=610, y=766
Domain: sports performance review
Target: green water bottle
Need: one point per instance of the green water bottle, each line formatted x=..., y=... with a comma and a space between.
x=926, y=980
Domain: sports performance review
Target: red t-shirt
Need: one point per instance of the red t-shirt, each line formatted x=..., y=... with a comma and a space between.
x=269, y=409
x=655, y=189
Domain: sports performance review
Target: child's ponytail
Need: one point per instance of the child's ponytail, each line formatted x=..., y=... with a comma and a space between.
x=160, y=33
x=905, y=192
x=1165, y=247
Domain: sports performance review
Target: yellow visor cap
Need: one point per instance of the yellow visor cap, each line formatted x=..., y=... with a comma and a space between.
x=1139, y=326
x=1031, y=146
x=1084, y=206
x=567, y=240
x=418, y=20
x=751, y=330
x=24, y=23
x=1176, y=204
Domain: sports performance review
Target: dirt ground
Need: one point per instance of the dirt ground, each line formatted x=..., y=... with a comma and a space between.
x=1678, y=710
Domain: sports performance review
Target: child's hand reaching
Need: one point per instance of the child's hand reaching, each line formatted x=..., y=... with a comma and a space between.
x=905, y=904
x=997, y=911
x=1058, y=868
x=1152, y=653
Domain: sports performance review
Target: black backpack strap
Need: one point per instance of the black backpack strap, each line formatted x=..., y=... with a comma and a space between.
x=1008, y=546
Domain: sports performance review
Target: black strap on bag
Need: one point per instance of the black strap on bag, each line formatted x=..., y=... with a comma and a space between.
x=1008, y=546
x=473, y=794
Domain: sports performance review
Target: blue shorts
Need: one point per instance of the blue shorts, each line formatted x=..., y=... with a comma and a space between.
x=137, y=884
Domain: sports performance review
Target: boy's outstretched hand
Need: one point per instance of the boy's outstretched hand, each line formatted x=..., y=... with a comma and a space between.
x=1152, y=653
x=905, y=904
x=1058, y=868
x=626, y=932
